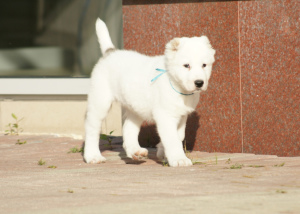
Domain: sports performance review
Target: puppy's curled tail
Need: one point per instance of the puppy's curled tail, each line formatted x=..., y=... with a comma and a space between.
x=103, y=37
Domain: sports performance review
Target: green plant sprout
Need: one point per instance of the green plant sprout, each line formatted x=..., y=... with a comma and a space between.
x=52, y=167
x=196, y=162
x=14, y=128
x=108, y=138
x=228, y=161
x=21, y=142
x=165, y=163
x=281, y=191
x=248, y=176
x=256, y=166
x=76, y=150
x=236, y=166
x=279, y=165
x=41, y=162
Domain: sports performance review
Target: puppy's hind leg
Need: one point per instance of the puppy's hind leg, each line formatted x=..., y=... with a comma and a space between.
x=131, y=129
x=99, y=103
x=160, y=154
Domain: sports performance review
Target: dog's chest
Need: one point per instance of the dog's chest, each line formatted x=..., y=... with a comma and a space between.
x=183, y=105
x=189, y=103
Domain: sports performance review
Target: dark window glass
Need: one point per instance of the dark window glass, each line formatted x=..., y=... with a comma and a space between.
x=54, y=38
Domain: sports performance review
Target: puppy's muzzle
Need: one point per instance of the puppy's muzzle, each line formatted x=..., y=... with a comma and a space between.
x=199, y=83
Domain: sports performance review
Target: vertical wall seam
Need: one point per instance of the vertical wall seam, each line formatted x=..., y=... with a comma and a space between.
x=240, y=71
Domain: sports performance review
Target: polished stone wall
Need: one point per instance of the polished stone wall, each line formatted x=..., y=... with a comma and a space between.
x=252, y=103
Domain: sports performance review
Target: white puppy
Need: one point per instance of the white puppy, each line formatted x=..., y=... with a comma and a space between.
x=165, y=96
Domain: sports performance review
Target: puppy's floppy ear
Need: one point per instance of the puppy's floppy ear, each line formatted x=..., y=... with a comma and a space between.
x=173, y=44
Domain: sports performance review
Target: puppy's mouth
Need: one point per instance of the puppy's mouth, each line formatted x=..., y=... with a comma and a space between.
x=194, y=90
x=197, y=90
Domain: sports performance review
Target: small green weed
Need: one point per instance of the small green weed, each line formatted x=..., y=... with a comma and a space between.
x=108, y=138
x=52, y=167
x=76, y=150
x=41, y=162
x=14, y=128
x=195, y=162
x=165, y=163
x=70, y=191
x=21, y=142
x=256, y=166
x=216, y=159
x=281, y=191
x=279, y=165
x=248, y=176
x=237, y=166
x=228, y=161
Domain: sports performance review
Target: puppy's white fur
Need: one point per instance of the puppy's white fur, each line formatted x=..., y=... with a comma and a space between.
x=125, y=76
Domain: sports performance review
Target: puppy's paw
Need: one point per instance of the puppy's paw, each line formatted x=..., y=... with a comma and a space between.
x=183, y=161
x=94, y=158
x=137, y=153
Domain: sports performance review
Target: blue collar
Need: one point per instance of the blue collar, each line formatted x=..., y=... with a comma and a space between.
x=162, y=72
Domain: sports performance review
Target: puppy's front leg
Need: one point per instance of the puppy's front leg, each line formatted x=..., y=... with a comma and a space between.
x=167, y=129
x=181, y=127
x=181, y=133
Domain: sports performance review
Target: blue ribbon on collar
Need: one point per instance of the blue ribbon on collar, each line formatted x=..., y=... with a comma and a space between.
x=163, y=72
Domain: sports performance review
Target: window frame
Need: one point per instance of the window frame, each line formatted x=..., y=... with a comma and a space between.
x=44, y=86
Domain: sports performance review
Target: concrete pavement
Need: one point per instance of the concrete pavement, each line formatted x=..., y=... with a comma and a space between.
x=217, y=183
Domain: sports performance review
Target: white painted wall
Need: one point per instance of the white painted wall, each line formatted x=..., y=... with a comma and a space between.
x=60, y=117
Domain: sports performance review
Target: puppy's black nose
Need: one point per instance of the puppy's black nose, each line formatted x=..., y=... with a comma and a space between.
x=199, y=83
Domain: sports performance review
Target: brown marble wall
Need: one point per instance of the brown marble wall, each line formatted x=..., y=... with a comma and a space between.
x=251, y=104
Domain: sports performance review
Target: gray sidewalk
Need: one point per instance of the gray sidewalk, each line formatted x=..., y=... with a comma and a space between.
x=217, y=183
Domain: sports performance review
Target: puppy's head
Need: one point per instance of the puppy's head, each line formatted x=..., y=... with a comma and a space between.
x=189, y=62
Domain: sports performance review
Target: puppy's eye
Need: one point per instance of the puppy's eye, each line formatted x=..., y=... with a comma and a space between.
x=204, y=65
x=187, y=65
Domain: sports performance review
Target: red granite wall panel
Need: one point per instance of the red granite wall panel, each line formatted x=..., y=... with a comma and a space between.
x=252, y=103
x=270, y=66
x=147, y=28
